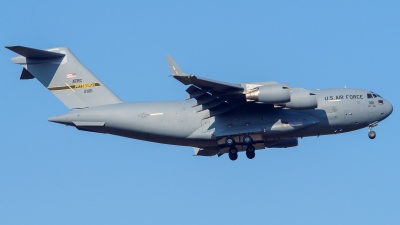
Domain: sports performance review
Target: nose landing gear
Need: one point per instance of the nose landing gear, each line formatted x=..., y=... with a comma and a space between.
x=371, y=133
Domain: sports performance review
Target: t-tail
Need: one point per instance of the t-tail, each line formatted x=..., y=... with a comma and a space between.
x=62, y=73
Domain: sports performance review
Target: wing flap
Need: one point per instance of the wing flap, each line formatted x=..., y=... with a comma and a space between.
x=195, y=92
x=225, y=107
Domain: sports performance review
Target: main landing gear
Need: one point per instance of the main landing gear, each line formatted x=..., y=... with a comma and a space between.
x=250, y=152
x=229, y=141
x=371, y=133
x=233, y=152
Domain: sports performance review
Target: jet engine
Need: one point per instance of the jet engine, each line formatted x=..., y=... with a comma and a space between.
x=292, y=142
x=302, y=99
x=270, y=94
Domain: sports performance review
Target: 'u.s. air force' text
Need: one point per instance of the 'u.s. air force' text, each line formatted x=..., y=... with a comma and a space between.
x=340, y=97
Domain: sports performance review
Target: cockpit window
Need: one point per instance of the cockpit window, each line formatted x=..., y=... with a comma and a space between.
x=373, y=95
x=380, y=102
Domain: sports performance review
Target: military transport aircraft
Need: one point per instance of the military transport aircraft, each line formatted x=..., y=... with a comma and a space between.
x=223, y=117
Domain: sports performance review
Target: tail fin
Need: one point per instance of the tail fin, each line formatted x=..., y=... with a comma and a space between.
x=62, y=73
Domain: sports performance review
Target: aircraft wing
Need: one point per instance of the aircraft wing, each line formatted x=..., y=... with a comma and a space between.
x=216, y=96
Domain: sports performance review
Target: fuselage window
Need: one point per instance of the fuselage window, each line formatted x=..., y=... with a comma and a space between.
x=380, y=102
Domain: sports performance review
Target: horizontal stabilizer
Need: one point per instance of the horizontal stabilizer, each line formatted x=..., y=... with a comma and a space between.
x=34, y=53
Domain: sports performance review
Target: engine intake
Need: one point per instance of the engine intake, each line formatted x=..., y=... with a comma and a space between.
x=270, y=94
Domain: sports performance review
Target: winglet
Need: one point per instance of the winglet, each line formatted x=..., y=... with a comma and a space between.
x=175, y=69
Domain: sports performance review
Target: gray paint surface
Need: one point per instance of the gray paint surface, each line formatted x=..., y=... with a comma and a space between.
x=217, y=111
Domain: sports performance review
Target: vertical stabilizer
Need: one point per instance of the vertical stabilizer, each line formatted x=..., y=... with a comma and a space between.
x=64, y=75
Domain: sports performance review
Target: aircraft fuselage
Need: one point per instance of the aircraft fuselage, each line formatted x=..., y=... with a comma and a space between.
x=178, y=123
x=224, y=118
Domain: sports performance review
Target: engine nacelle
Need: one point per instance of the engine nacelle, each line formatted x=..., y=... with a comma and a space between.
x=270, y=94
x=292, y=142
x=302, y=99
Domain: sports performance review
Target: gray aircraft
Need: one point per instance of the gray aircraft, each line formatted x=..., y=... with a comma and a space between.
x=223, y=117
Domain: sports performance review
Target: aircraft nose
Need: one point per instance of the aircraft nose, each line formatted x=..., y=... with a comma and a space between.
x=389, y=108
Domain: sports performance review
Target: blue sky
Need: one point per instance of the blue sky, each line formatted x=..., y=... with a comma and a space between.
x=53, y=174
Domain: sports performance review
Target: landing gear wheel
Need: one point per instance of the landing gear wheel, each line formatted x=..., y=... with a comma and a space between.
x=371, y=134
x=250, y=155
x=233, y=157
x=233, y=150
x=229, y=141
x=250, y=149
x=250, y=152
x=247, y=140
x=233, y=153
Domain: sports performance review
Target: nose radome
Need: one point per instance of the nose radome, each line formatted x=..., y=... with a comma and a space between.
x=389, y=108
